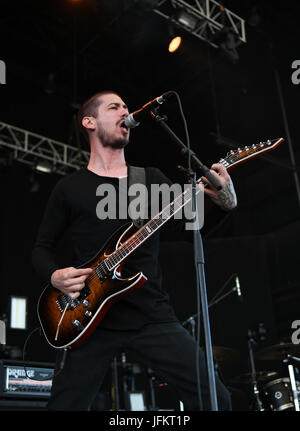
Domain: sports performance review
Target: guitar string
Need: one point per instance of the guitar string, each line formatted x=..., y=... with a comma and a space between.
x=139, y=237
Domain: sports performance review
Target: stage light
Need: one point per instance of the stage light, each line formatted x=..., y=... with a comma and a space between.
x=43, y=167
x=2, y=332
x=18, y=312
x=187, y=20
x=175, y=44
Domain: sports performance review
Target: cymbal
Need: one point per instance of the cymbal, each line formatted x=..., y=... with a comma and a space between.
x=277, y=351
x=224, y=355
x=257, y=376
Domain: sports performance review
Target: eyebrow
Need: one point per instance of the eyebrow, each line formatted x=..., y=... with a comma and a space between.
x=117, y=104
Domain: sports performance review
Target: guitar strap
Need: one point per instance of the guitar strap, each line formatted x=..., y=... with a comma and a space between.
x=137, y=175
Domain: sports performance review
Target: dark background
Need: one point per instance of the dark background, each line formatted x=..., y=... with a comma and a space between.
x=92, y=45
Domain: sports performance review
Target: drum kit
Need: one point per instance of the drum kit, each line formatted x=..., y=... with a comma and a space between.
x=264, y=390
x=268, y=390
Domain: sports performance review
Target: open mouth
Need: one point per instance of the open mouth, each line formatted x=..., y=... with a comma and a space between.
x=123, y=126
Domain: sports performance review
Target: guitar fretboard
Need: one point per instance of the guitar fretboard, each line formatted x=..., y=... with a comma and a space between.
x=149, y=229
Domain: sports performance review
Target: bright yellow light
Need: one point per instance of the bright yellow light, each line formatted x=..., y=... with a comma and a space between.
x=174, y=44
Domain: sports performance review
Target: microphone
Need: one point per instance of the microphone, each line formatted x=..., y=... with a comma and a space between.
x=134, y=119
x=238, y=288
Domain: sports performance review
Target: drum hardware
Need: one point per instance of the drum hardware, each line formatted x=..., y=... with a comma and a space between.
x=290, y=359
x=286, y=395
x=278, y=395
x=252, y=335
x=115, y=385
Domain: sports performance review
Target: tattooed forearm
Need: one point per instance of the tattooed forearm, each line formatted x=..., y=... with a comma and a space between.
x=227, y=198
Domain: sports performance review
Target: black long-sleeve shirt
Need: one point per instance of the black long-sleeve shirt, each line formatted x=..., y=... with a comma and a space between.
x=72, y=207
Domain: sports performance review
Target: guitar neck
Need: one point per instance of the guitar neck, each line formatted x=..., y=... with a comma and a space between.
x=232, y=159
x=149, y=229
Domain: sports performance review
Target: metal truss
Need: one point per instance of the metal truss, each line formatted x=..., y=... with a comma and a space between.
x=33, y=149
x=209, y=17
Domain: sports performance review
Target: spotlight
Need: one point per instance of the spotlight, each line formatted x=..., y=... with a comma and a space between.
x=187, y=20
x=43, y=167
x=175, y=44
x=18, y=312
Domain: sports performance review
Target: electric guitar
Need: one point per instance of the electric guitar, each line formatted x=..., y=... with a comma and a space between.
x=68, y=322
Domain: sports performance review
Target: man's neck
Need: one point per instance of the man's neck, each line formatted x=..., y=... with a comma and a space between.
x=108, y=162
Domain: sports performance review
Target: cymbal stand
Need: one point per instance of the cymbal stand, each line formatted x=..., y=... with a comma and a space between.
x=251, y=341
x=151, y=379
x=115, y=384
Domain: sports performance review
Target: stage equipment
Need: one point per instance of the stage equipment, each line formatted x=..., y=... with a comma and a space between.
x=2, y=332
x=135, y=401
x=202, y=19
x=277, y=395
x=289, y=354
x=18, y=312
x=30, y=148
x=253, y=336
x=20, y=379
x=283, y=393
x=175, y=44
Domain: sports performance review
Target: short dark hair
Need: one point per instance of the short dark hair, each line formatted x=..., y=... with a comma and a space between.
x=90, y=108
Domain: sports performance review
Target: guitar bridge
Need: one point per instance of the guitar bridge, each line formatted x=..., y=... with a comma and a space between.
x=64, y=299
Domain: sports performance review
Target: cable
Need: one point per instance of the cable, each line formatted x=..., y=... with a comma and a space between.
x=61, y=365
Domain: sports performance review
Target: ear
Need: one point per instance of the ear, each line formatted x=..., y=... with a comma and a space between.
x=88, y=123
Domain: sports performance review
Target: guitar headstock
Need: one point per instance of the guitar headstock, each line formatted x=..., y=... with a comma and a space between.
x=235, y=157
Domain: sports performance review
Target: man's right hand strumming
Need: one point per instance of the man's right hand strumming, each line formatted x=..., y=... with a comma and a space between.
x=70, y=280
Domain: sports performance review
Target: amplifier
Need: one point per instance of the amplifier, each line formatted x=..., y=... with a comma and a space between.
x=21, y=379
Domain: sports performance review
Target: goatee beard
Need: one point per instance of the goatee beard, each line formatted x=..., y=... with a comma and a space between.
x=106, y=141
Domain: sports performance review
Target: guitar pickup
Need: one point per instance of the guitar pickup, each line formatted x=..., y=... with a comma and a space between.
x=85, y=291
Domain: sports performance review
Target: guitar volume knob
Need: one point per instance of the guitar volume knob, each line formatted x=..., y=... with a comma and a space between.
x=78, y=325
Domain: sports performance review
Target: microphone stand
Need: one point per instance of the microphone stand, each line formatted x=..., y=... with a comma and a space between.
x=198, y=252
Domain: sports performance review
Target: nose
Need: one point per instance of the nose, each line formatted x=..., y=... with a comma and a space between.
x=125, y=112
